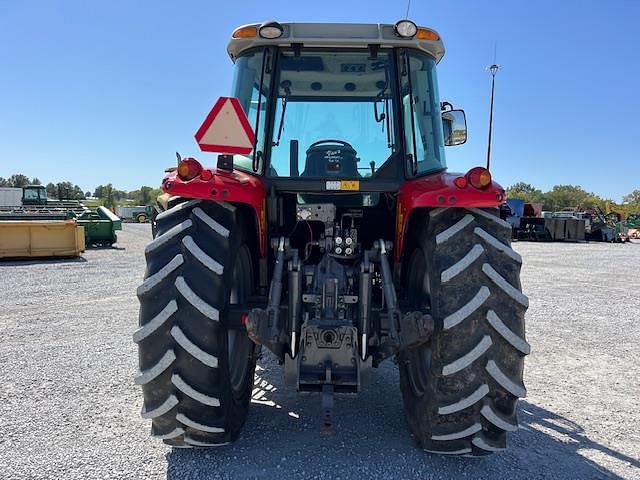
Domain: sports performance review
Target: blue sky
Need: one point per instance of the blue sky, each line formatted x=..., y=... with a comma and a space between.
x=106, y=92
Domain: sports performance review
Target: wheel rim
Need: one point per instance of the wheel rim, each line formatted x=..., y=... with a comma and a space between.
x=239, y=346
x=142, y=219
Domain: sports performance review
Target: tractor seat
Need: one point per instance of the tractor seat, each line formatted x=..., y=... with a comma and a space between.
x=331, y=158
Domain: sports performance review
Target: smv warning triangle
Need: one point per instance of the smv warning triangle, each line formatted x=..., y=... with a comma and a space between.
x=226, y=129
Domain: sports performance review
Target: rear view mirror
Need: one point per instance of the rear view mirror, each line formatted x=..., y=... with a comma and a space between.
x=454, y=126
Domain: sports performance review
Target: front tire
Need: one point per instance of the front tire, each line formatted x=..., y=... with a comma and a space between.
x=460, y=390
x=196, y=373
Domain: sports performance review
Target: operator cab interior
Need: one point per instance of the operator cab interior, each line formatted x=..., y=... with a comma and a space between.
x=333, y=111
x=323, y=114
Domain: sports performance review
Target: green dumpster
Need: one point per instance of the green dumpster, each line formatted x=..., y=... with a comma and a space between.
x=100, y=226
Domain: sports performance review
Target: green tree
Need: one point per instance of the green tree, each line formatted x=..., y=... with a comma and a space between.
x=77, y=193
x=52, y=190
x=526, y=192
x=144, y=196
x=571, y=196
x=18, y=180
x=154, y=194
x=633, y=198
x=118, y=195
x=64, y=191
x=68, y=191
x=107, y=196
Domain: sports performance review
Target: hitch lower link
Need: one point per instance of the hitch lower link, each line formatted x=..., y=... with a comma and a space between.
x=263, y=326
x=406, y=331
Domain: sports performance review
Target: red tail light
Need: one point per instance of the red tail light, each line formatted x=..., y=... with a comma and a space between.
x=461, y=182
x=189, y=168
x=479, y=177
x=206, y=175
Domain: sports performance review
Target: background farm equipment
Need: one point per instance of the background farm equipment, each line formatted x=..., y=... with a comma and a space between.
x=617, y=221
x=602, y=227
x=31, y=224
x=138, y=214
x=633, y=225
x=567, y=225
x=34, y=204
x=41, y=238
x=529, y=222
x=526, y=220
x=100, y=226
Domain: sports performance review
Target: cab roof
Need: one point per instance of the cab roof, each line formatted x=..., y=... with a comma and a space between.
x=338, y=35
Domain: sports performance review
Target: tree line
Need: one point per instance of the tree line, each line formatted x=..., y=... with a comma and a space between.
x=110, y=196
x=573, y=196
x=107, y=195
x=60, y=190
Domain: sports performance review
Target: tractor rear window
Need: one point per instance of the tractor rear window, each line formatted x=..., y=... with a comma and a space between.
x=334, y=115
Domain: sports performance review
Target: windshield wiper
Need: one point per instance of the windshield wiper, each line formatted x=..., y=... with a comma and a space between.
x=379, y=117
x=286, y=85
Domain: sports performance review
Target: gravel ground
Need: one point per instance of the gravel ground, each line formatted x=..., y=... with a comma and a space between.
x=70, y=410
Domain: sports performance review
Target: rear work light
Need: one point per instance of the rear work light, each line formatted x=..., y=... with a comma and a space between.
x=479, y=177
x=405, y=29
x=188, y=169
x=271, y=30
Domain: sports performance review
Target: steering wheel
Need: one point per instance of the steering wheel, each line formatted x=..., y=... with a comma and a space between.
x=339, y=142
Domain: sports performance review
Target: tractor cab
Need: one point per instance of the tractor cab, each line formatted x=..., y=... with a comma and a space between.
x=342, y=102
x=34, y=195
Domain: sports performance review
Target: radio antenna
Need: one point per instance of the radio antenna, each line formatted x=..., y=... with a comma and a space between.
x=408, y=5
x=493, y=69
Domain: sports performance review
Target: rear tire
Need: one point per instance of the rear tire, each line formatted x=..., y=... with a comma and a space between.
x=196, y=374
x=461, y=389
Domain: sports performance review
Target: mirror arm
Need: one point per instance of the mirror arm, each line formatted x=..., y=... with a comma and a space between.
x=445, y=106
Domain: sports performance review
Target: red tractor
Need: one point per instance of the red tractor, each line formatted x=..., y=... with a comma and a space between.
x=336, y=240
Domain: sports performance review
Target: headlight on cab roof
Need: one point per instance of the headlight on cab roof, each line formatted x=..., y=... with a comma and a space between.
x=271, y=30
x=406, y=28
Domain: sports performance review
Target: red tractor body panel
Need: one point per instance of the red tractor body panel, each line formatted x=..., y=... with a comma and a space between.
x=432, y=191
x=439, y=190
x=235, y=187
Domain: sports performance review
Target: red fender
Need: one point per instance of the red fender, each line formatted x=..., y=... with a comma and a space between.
x=235, y=187
x=439, y=190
